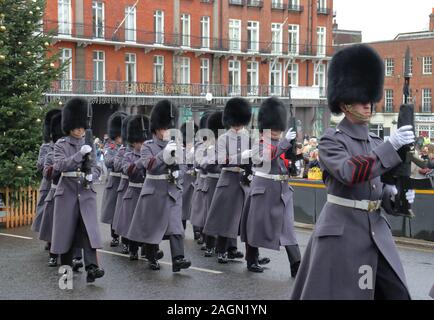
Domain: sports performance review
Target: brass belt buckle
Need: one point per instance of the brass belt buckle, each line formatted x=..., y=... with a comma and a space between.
x=372, y=206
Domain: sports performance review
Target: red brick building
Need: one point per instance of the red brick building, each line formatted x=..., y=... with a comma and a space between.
x=127, y=54
x=421, y=46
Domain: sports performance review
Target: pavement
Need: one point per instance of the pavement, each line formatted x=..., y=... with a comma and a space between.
x=24, y=273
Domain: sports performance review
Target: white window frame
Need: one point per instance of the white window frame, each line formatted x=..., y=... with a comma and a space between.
x=130, y=24
x=205, y=31
x=66, y=75
x=99, y=62
x=322, y=4
x=388, y=100
x=204, y=75
x=158, y=66
x=426, y=100
x=293, y=74
x=275, y=79
x=389, y=67
x=65, y=23
x=234, y=35
x=184, y=70
x=411, y=65
x=97, y=10
x=321, y=33
x=185, y=29
x=320, y=77
x=159, y=26
x=427, y=65
x=253, y=36
x=130, y=65
x=276, y=38
x=234, y=67
x=293, y=39
x=252, y=78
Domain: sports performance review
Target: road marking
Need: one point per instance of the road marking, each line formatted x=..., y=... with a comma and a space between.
x=15, y=236
x=161, y=262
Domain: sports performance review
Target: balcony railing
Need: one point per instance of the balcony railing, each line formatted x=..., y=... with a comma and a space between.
x=146, y=89
x=207, y=1
x=255, y=3
x=278, y=5
x=295, y=8
x=236, y=2
x=174, y=41
x=325, y=11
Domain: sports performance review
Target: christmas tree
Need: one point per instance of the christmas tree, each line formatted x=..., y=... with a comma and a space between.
x=28, y=65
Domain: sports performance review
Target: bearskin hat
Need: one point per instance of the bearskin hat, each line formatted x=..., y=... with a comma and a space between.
x=56, y=127
x=164, y=115
x=215, y=122
x=114, y=124
x=356, y=75
x=74, y=115
x=237, y=112
x=124, y=127
x=183, y=130
x=272, y=115
x=46, y=130
x=138, y=129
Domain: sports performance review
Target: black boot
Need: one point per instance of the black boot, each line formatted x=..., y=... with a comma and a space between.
x=94, y=272
x=264, y=261
x=153, y=264
x=52, y=262
x=255, y=267
x=125, y=249
x=196, y=235
x=76, y=264
x=47, y=246
x=134, y=256
x=222, y=258
x=294, y=258
x=159, y=255
x=209, y=252
x=180, y=263
x=114, y=242
x=233, y=253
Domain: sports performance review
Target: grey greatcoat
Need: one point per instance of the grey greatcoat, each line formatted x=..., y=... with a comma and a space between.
x=198, y=201
x=133, y=168
x=229, y=198
x=44, y=187
x=159, y=209
x=123, y=184
x=345, y=239
x=188, y=183
x=110, y=192
x=72, y=199
x=46, y=229
x=268, y=218
x=214, y=170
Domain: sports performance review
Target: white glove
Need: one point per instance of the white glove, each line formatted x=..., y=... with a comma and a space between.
x=247, y=154
x=175, y=174
x=89, y=177
x=402, y=137
x=290, y=135
x=85, y=149
x=170, y=147
x=410, y=195
x=392, y=190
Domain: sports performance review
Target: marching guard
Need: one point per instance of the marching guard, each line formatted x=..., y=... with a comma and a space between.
x=110, y=191
x=46, y=228
x=158, y=214
x=44, y=187
x=227, y=205
x=75, y=223
x=138, y=131
x=351, y=233
x=187, y=171
x=268, y=219
x=198, y=209
x=123, y=184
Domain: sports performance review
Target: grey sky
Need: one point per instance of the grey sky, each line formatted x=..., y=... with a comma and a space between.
x=383, y=19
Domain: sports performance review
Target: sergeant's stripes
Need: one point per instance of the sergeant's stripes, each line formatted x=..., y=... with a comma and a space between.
x=362, y=168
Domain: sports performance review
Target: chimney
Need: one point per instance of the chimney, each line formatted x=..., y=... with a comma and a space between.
x=431, y=21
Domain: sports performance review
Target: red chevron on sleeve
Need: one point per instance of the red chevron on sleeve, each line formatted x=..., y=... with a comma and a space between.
x=362, y=168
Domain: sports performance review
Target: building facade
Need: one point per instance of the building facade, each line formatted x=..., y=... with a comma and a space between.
x=128, y=54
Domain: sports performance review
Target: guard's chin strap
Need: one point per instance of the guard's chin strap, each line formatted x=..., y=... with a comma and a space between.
x=359, y=116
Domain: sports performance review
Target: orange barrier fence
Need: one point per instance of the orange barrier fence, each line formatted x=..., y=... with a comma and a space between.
x=18, y=206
